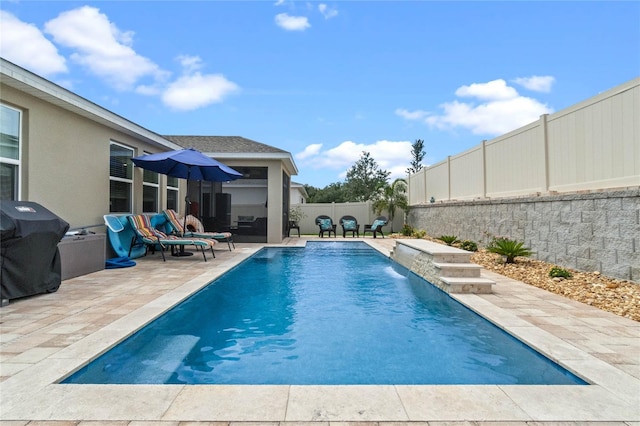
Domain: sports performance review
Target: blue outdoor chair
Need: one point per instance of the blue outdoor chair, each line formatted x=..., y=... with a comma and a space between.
x=325, y=223
x=376, y=227
x=349, y=224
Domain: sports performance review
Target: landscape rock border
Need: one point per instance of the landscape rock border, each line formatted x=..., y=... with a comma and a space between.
x=619, y=297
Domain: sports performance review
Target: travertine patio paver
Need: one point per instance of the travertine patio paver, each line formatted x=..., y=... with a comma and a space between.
x=46, y=337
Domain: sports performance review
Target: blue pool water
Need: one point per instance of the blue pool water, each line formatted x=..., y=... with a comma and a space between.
x=330, y=313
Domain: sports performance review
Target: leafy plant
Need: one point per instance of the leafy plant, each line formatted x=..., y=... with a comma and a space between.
x=296, y=214
x=419, y=233
x=332, y=193
x=364, y=178
x=390, y=198
x=417, y=155
x=509, y=248
x=556, y=271
x=469, y=245
x=407, y=230
x=448, y=239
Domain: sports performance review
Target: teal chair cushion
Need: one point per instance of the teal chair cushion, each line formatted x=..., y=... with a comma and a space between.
x=376, y=224
x=349, y=225
x=325, y=224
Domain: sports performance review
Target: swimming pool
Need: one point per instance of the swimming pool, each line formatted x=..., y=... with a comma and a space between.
x=330, y=313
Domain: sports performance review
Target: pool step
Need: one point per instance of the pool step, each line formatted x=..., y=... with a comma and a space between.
x=448, y=268
x=467, y=285
x=458, y=270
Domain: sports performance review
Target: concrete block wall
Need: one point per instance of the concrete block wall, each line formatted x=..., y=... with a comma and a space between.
x=596, y=231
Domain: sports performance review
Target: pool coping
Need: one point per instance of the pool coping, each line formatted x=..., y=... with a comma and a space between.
x=614, y=394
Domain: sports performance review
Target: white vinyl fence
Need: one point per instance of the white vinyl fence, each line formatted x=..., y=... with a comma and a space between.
x=590, y=146
x=361, y=211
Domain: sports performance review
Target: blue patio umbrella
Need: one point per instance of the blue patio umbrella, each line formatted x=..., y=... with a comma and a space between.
x=189, y=164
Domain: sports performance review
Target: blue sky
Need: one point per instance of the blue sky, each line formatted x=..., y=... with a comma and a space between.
x=329, y=80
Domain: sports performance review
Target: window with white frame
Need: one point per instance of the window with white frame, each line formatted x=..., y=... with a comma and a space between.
x=10, y=141
x=150, y=191
x=172, y=193
x=120, y=178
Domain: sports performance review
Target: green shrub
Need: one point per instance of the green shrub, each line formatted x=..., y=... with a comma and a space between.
x=508, y=248
x=418, y=233
x=469, y=245
x=448, y=239
x=556, y=271
x=407, y=230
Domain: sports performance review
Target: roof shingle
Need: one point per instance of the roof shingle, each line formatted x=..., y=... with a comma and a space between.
x=232, y=144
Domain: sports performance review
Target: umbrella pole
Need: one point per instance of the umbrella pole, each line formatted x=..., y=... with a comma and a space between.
x=187, y=203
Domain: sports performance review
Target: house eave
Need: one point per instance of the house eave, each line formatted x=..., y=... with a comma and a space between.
x=285, y=157
x=45, y=90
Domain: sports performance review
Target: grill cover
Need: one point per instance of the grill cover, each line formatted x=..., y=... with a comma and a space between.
x=29, y=257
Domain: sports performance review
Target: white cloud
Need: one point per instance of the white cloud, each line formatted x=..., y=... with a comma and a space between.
x=25, y=45
x=537, y=83
x=500, y=109
x=309, y=151
x=326, y=11
x=292, y=23
x=496, y=89
x=190, y=63
x=392, y=156
x=411, y=115
x=106, y=51
x=148, y=89
x=101, y=47
x=195, y=90
x=491, y=118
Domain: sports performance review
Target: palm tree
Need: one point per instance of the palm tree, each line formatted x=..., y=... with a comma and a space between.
x=390, y=198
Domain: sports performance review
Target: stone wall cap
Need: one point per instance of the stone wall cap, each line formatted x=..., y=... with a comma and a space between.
x=548, y=197
x=431, y=247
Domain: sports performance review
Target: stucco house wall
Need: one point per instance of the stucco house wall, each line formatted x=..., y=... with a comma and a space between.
x=65, y=160
x=241, y=153
x=271, y=196
x=65, y=153
x=298, y=193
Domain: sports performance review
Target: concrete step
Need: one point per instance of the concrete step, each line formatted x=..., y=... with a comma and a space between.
x=441, y=253
x=458, y=270
x=464, y=257
x=448, y=268
x=467, y=285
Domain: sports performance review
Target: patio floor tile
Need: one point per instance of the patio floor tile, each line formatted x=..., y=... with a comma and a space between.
x=46, y=337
